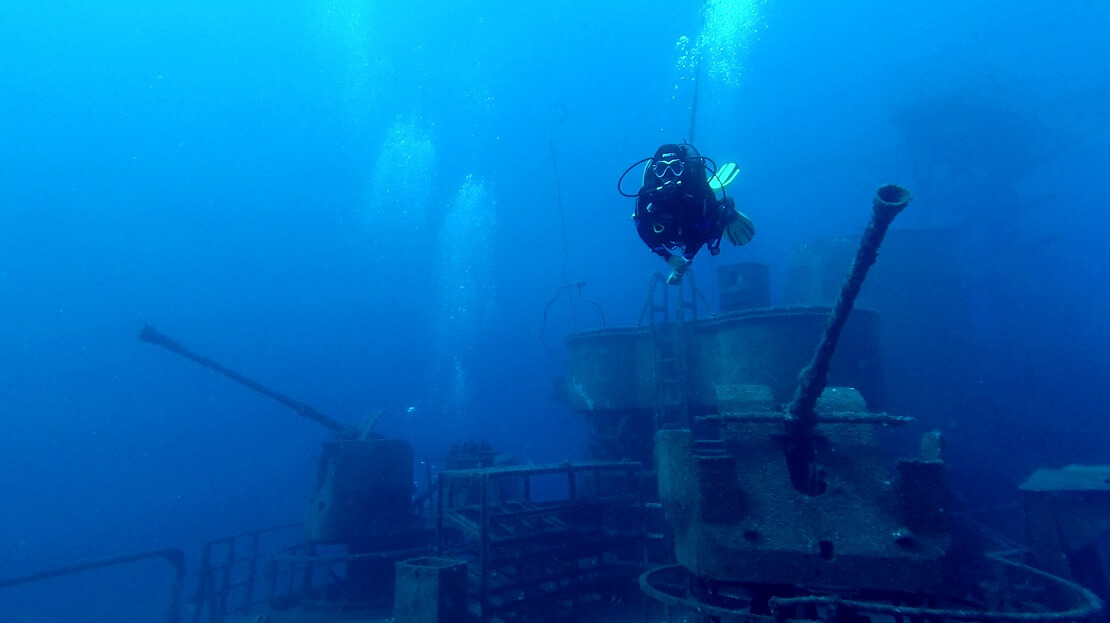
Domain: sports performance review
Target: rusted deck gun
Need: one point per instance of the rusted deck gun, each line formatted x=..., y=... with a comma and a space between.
x=801, y=438
x=341, y=430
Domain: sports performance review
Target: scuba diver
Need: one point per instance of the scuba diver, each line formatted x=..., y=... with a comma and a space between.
x=677, y=209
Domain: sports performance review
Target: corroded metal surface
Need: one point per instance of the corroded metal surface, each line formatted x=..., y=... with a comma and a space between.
x=737, y=517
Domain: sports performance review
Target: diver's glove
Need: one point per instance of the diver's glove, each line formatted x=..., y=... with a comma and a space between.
x=740, y=229
x=679, y=266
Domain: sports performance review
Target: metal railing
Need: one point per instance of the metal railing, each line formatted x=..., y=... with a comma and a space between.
x=174, y=557
x=1017, y=593
x=229, y=579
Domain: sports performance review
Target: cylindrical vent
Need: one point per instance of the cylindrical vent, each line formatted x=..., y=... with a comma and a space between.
x=429, y=590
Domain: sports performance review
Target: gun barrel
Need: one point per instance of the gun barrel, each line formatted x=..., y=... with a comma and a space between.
x=152, y=336
x=888, y=202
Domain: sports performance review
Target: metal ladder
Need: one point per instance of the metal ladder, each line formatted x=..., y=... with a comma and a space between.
x=671, y=404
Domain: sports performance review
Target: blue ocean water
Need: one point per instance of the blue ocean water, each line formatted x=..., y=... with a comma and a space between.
x=356, y=203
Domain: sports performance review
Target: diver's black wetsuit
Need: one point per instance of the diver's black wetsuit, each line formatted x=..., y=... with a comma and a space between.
x=687, y=218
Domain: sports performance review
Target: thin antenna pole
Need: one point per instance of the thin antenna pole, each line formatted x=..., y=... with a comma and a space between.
x=694, y=104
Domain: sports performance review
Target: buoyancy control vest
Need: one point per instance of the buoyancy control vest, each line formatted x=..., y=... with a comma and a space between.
x=675, y=190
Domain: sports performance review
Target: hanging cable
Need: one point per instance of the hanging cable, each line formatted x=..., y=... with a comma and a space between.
x=559, y=191
x=572, y=290
x=694, y=102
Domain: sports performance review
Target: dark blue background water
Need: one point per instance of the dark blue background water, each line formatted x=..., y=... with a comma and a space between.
x=208, y=168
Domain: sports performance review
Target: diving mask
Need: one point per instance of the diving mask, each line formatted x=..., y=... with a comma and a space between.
x=663, y=168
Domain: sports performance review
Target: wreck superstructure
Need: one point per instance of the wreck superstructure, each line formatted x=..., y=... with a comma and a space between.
x=739, y=472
